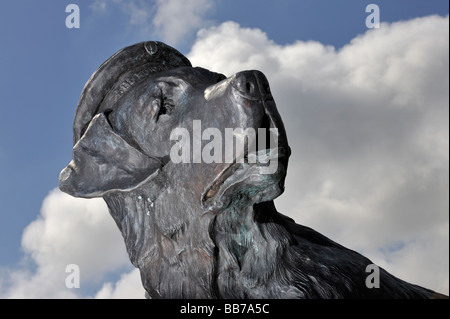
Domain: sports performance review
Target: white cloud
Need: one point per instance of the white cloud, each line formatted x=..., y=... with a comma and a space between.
x=129, y=286
x=99, y=5
x=67, y=228
x=171, y=20
x=68, y=231
x=174, y=19
x=103, y=5
x=368, y=126
x=140, y=13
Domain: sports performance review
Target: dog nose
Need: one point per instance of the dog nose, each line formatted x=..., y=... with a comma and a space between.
x=253, y=85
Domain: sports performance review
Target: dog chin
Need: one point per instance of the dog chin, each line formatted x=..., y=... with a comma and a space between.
x=252, y=182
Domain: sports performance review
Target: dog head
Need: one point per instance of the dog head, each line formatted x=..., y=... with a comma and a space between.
x=147, y=109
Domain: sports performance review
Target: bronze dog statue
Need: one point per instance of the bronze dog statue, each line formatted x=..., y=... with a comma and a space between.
x=197, y=229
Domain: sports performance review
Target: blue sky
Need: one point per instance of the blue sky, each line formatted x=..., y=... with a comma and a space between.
x=44, y=65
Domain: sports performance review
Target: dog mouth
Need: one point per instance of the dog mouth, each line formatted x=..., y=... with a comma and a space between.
x=259, y=175
x=237, y=173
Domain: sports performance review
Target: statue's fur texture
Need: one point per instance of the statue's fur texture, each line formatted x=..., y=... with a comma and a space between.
x=196, y=229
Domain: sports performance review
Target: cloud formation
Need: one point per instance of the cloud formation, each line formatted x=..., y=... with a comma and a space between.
x=129, y=286
x=68, y=231
x=368, y=126
x=175, y=19
x=170, y=20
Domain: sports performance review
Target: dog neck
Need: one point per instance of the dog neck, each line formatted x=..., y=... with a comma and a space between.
x=253, y=249
x=165, y=237
x=184, y=250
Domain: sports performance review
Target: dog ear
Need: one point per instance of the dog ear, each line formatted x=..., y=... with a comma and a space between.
x=104, y=162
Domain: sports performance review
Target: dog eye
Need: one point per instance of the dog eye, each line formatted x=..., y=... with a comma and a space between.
x=166, y=107
x=108, y=116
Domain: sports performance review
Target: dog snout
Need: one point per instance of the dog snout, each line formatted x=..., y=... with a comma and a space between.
x=252, y=85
